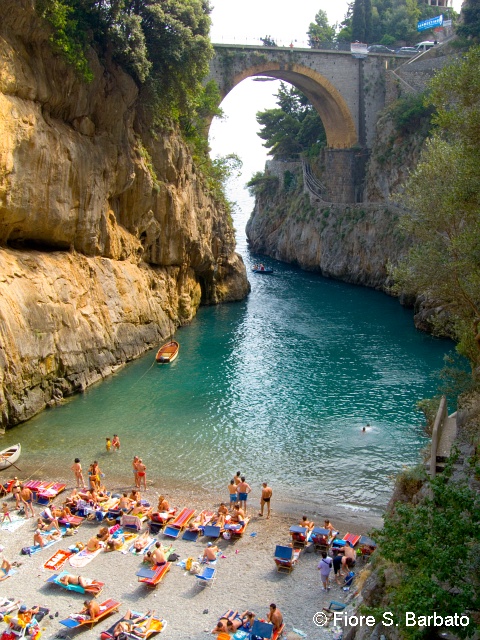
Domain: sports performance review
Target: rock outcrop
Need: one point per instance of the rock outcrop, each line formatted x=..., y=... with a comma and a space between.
x=109, y=237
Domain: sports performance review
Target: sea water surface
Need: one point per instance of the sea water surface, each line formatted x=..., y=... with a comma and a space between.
x=277, y=386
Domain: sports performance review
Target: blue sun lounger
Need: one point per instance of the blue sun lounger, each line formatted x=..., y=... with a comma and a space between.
x=212, y=532
x=262, y=630
x=171, y=532
x=207, y=576
x=285, y=558
x=191, y=536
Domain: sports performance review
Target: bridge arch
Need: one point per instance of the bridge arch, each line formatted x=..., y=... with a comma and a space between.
x=326, y=99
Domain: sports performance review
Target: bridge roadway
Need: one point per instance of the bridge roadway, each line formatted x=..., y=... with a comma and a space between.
x=348, y=92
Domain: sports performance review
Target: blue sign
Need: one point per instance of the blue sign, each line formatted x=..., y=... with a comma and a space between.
x=431, y=23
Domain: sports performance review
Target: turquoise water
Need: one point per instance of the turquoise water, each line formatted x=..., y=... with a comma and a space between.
x=277, y=386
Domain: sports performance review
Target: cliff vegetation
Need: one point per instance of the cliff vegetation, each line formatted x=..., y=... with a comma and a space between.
x=113, y=229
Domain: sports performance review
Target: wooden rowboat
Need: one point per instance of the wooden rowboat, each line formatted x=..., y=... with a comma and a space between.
x=9, y=456
x=168, y=352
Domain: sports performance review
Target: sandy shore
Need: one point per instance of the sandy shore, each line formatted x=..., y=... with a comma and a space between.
x=246, y=576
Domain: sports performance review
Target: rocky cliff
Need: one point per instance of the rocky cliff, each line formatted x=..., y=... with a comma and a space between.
x=353, y=243
x=109, y=237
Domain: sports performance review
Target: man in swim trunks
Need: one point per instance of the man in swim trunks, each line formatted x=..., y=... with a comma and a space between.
x=275, y=617
x=91, y=609
x=142, y=475
x=243, y=489
x=237, y=479
x=210, y=553
x=158, y=555
x=238, y=514
x=265, y=499
x=26, y=496
x=232, y=491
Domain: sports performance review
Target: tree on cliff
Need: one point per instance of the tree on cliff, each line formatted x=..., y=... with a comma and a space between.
x=443, y=200
x=293, y=128
x=164, y=44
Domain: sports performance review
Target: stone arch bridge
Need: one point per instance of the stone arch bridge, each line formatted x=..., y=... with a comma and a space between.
x=347, y=93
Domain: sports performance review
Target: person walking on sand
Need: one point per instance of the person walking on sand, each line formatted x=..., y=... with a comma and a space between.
x=5, y=512
x=142, y=475
x=116, y=442
x=26, y=497
x=16, y=492
x=325, y=566
x=78, y=473
x=265, y=499
x=243, y=489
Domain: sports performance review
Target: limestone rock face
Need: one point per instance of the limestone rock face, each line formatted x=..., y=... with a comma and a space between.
x=109, y=236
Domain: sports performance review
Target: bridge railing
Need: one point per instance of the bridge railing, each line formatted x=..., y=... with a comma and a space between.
x=436, y=433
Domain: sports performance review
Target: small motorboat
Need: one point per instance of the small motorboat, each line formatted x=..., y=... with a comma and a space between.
x=9, y=456
x=260, y=268
x=168, y=352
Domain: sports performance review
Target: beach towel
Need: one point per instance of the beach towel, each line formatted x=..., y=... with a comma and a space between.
x=128, y=539
x=16, y=523
x=57, y=560
x=83, y=557
x=35, y=548
x=4, y=576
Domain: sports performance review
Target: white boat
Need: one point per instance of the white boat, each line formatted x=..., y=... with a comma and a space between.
x=9, y=456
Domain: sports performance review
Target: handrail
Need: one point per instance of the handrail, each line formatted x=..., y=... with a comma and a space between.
x=438, y=424
x=314, y=186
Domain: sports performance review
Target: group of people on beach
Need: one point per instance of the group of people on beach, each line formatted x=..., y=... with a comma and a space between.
x=239, y=489
x=113, y=444
x=232, y=621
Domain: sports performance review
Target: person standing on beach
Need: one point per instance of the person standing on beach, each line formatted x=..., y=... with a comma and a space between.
x=243, y=489
x=16, y=492
x=142, y=475
x=116, y=442
x=26, y=496
x=275, y=617
x=135, y=470
x=265, y=499
x=5, y=512
x=325, y=566
x=108, y=444
x=78, y=473
x=232, y=491
x=237, y=479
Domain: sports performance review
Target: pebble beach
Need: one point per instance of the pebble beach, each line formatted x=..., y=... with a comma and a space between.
x=246, y=576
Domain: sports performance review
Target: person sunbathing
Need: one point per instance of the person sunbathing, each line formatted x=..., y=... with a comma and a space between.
x=103, y=534
x=90, y=609
x=43, y=526
x=158, y=554
x=247, y=618
x=238, y=514
x=5, y=568
x=275, y=617
x=94, y=543
x=135, y=496
x=163, y=504
x=25, y=615
x=40, y=541
x=228, y=625
x=124, y=504
x=141, y=542
x=68, y=578
x=220, y=521
x=210, y=553
x=138, y=625
x=304, y=522
x=141, y=510
x=222, y=509
x=328, y=525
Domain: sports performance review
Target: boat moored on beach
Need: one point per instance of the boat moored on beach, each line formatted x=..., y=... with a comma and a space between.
x=9, y=456
x=168, y=352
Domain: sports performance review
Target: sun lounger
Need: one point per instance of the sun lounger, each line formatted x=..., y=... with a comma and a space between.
x=191, y=535
x=143, y=629
x=366, y=547
x=236, y=529
x=262, y=630
x=94, y=588
x=320, y=538
x=72, y=521
x=171, y=532
x=286, y=558
x=352, y=538
x=154, y=576
x=207, y=577
x=46, y=495
x=106, y=608
x=300, y=535
x=212, y=531
x=183, y=518
x=7, y=605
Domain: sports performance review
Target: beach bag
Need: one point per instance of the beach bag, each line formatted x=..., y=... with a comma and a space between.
x=173, y=557
x=26, y=551
x=195, y=567
x=188, y=564
x=349, y=578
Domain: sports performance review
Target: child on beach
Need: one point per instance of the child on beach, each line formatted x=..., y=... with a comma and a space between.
x=5, y=512
x=108, y=444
